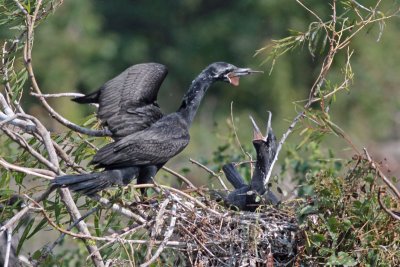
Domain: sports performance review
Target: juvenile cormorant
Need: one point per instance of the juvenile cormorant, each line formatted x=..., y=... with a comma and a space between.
x=248, y=197
x=145, y=138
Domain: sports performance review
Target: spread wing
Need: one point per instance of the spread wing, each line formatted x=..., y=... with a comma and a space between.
x=127, y=103
x=153, y=146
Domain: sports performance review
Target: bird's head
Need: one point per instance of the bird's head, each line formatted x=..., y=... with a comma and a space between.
x=221, y=71
x=258, y=137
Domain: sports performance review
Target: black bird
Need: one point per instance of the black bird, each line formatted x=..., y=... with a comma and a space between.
x=145, y=138
x=248, y=197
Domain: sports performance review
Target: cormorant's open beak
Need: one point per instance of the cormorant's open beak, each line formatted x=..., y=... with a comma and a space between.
x=257, y=135
x=233, y=76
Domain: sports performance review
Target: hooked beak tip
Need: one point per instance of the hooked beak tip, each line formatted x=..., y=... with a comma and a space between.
x=243, y=72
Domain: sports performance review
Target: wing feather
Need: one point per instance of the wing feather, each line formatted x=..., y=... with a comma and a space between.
x=152, y=146
x=127, y=103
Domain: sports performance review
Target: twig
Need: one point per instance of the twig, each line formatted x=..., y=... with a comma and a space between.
x=199, y=242
x=29, y=171
x=235, y=133
x=57, y=95
x=17, y=217
x=383, y=176
x=167, y=235
x=156, y=229
x=8, y=248
x=46, y=139
x=47, y=249
x=64, y=156
x=8, y=116
x=82, y=227
x=281, y=142
x=23, y=143
x=183, y=178
x=388, y=211
x=200, y=204
x=35, y=86
x=21, y=7
x=209, y=171
x=104, y=238
x=61, y=95
x=119, y=209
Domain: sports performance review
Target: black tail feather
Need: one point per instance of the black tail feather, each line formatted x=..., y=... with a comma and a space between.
x=92, y=183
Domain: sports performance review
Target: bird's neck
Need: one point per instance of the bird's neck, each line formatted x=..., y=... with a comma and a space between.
x=191, y=100
x=261, y=169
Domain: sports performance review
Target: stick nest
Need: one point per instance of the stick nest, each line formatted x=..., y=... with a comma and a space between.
x=204, y=233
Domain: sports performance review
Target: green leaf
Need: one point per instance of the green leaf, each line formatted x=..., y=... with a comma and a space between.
x=25, y=233
x=38, y=227
x=342, y=259
x=317, y=239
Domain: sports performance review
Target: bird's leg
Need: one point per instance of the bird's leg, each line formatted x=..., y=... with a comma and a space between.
x=146, y=176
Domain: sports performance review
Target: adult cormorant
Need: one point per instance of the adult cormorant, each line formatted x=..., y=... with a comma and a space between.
x=145, y=138
x=248, y=197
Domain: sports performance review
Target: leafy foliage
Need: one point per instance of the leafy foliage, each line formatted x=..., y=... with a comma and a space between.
x=343, y=221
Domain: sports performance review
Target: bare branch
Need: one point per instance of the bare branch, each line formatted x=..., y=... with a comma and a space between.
x=183, y=178
x=21, y=8
x=22, y=142
x=281, y=142
x=383, y=176
x=8, y=248
x=57, y=95
x=157, y=227
x=167, y=235
x=388, y=211
x=209, y=171
x=36, y=172
x=105, y=202
x=17, y=217
x=74, y=212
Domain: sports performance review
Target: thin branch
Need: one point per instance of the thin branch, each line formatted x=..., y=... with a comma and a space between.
x=18, y=216
x=53, y=113
x=64, y=156
x=21, y=8
x=159, y=221
x=167, y=236
x=8, y=248
x=209, y=171
x=388, y=211
x=183, y=178
x=46, y=139
x=61, y=95
x=30, y=171
x=24, y=144
x=383, y=176
x=82, y=227
x=57, y=95
x=104, y=238
x=235, y=133
x=281, y=142
x=105, y=202
x=48, y=249
x=179, y=192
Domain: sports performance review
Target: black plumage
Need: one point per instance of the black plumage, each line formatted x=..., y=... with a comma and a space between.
x=249, y=196
x=145, y=138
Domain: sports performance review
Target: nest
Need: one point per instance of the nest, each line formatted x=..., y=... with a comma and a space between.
x=200, y=232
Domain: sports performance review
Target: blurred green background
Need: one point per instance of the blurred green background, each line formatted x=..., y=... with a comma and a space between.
x=86, y=43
